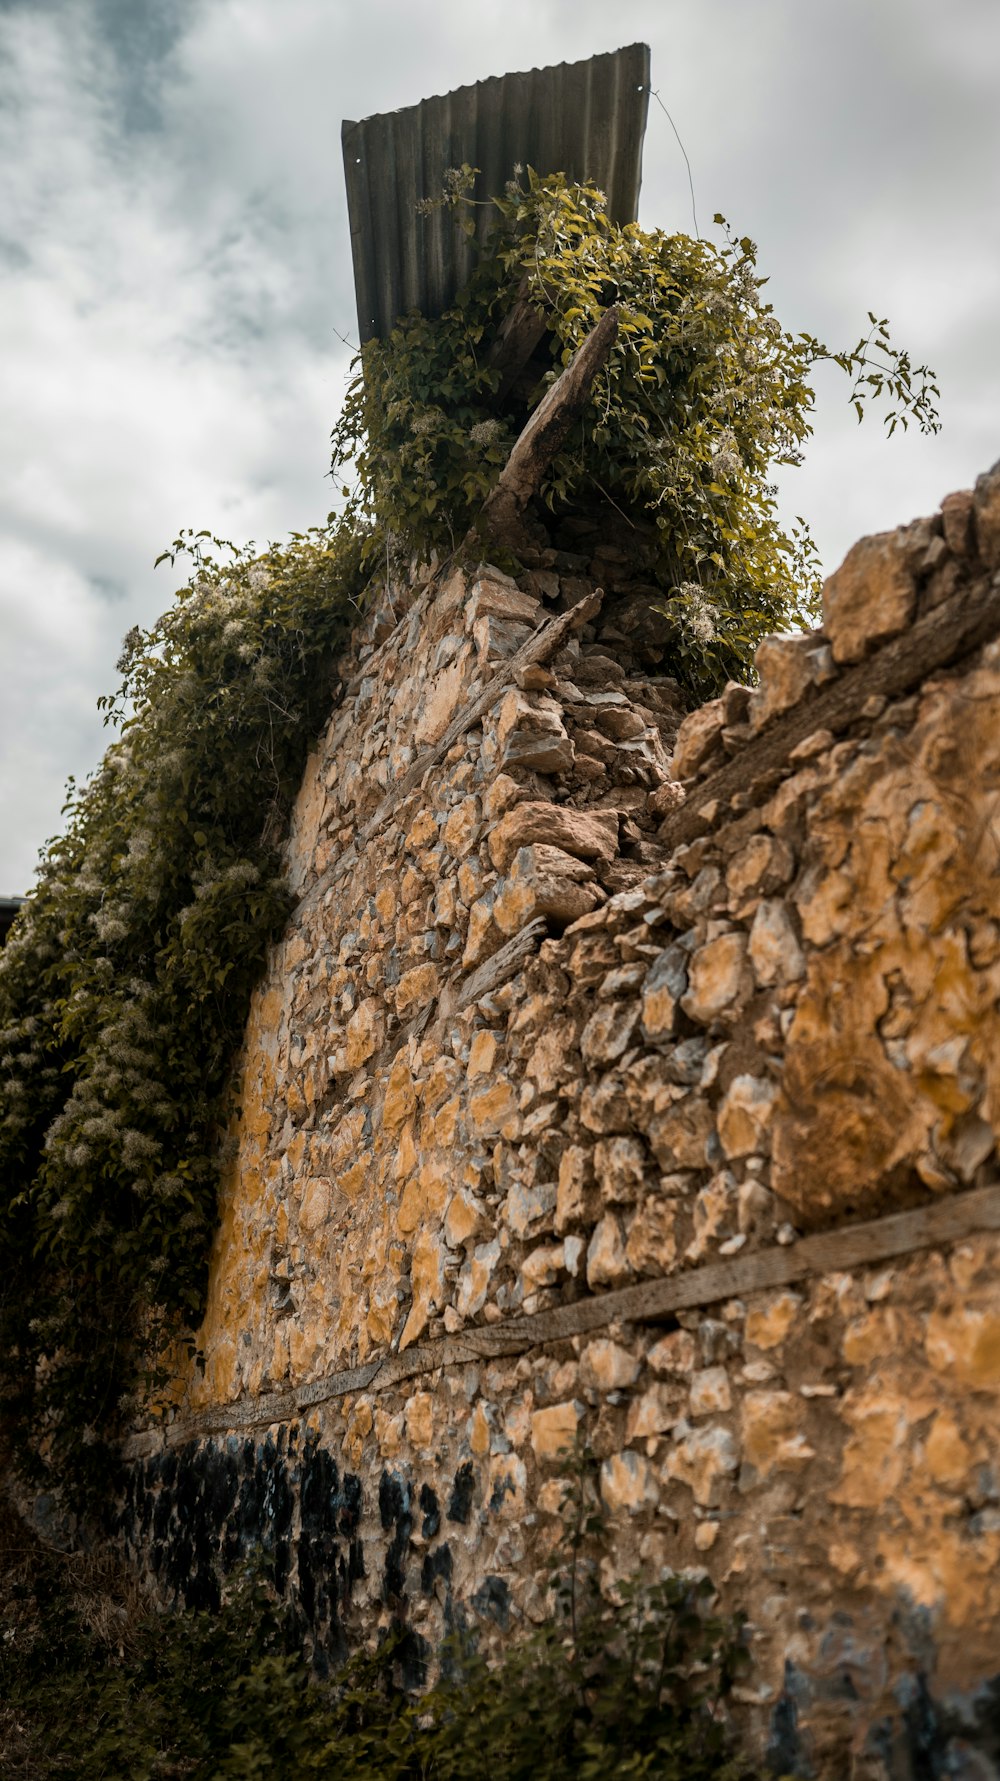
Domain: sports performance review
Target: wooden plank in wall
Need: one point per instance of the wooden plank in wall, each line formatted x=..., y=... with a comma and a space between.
x=943, y=636
x=864, y=1245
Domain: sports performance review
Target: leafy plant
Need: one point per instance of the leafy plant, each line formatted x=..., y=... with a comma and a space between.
x=703, y=394
x=95, y=1683
x=125, y=984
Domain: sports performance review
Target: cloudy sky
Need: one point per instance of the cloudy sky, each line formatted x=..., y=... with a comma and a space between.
x=175, y=269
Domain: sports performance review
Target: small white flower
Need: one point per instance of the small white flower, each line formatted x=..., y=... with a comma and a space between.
x=484, y=432
x=699, y=614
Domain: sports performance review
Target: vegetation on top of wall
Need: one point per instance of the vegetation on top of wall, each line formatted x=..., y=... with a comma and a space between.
x=125, y=982
x=703, y=395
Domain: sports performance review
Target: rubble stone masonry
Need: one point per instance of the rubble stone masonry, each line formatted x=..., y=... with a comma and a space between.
x=635, y=1076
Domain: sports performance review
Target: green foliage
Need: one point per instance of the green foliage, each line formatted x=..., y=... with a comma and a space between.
x=703, y=394
x=125, y=983
x=97, y=1685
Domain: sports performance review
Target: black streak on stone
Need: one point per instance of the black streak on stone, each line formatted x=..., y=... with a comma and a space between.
x=394, y=1510
x=460, y=1501
x=436, y=1564
x=492, y=1601
x=431, y=1511
x=784, y=1754
x=926, y=1740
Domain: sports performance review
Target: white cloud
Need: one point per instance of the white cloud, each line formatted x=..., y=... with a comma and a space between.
x=177, y=260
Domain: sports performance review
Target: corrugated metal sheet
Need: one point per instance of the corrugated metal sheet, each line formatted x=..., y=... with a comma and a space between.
x=584, y=119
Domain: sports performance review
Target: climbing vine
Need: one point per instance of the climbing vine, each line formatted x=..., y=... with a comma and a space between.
x=125, y=983
x=703, y=396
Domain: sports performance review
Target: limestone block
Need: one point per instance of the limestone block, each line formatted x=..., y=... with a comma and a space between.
x=628, y=1481
x=875, y=1453
x=703, y=1459
x=553, y=1430
x=607, y=1366
x=475, y=1276
x=620, y=1166
x=773, y=1439
x=770, y=1320
x=508, y=1484
x=745, y=1115
x=870, y=598
x=482, y=935
x=315, y=1206
x=761, y=867
x=787, y=667
x=492, y=1111
x=461, y=829
x=714, y=1214
x=415, y=989
x=658, y=1409
x=680, y=1136
x=444, y=693
x=621, y=724
x=775, y=953
x=465, y=1219
x=429, y=1290
x=987, y=516
x=495, y=599
x=365, y=1033
x=958, y=522
x=497, y=639
x=606, y=1263
x=652, y=1240
x=673, y=1353
x=698, y=737
x=542, y=1267
x=418, y=1417
x=544, y=881
x=718, y=979
x=586, y=834
x=529, y=1204
x=710, y=1394
x=963, y=1343
x=576, y=1197
x=608, y=1032
x=666, y=983
x=551, y=1062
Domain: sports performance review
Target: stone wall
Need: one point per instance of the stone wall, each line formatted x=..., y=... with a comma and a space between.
x=640, y=1083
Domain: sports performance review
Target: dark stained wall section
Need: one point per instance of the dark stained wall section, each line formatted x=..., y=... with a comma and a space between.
x=584, y=119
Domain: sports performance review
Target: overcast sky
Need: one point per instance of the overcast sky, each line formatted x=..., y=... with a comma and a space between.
x=175, y=267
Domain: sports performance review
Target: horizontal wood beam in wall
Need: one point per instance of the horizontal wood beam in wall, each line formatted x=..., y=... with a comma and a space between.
x=942, y=1222
x=942, y=637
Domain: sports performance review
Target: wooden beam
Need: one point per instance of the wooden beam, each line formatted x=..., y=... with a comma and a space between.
x=501, y=518
x=941, y=637
x=941, y=1222
x=517, y=336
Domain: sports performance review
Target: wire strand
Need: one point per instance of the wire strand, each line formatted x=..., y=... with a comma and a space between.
x=655, y=95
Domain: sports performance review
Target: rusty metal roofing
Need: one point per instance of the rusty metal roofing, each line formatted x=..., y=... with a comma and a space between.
x=584, y=119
